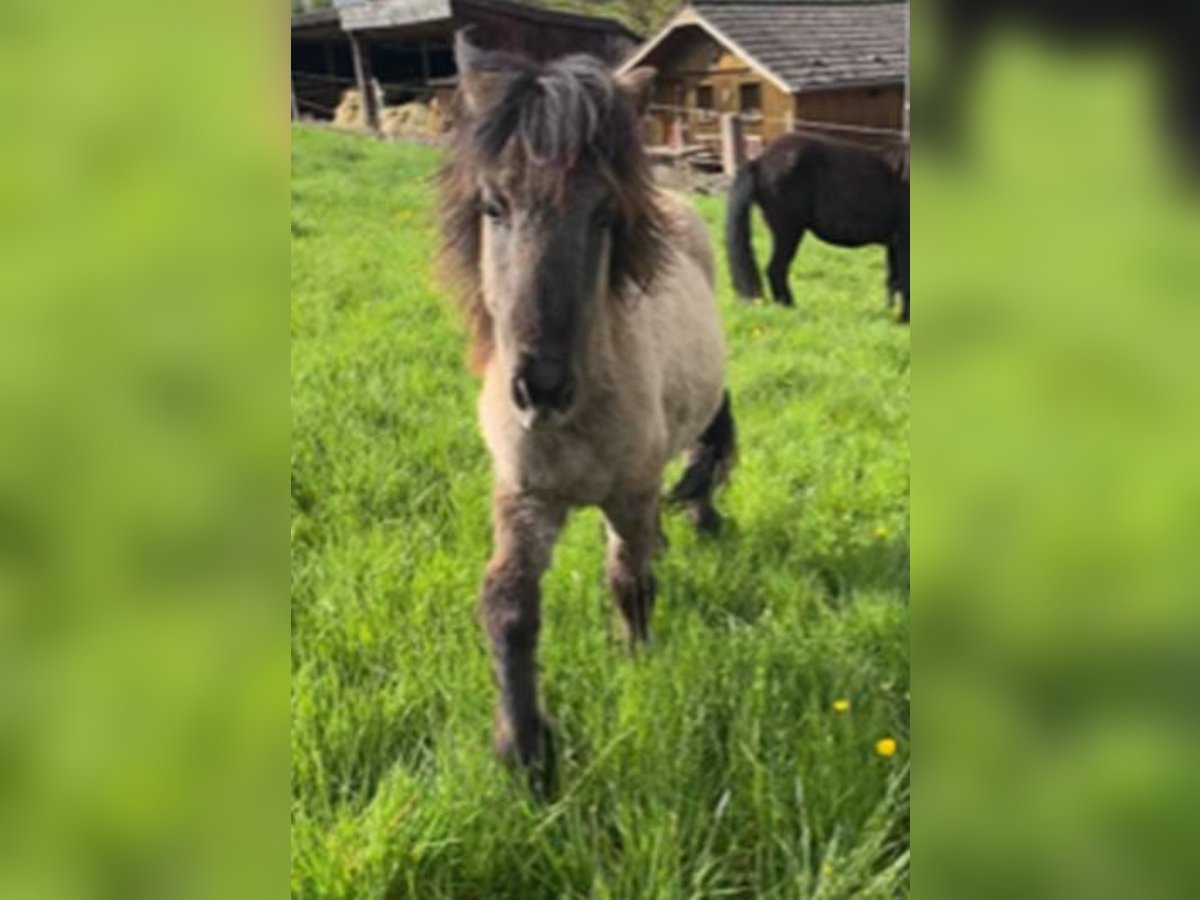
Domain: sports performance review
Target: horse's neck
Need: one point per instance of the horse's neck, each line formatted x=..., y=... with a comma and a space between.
x=610, y=341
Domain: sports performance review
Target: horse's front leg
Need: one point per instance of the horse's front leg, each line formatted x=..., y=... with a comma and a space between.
x=525, y=530
x=634, y=537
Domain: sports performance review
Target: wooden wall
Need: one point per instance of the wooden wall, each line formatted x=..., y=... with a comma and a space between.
x=879, y=107
x=692, y=62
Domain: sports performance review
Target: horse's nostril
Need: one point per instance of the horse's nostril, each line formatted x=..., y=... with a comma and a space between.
x=520, y=392
x=544, y=376
x=543, y=383
x=566, y=396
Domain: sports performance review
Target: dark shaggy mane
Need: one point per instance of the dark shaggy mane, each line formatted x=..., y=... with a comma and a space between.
x=542, y=124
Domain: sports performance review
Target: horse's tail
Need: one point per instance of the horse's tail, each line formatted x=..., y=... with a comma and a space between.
x=709, y=463
x=738, y=246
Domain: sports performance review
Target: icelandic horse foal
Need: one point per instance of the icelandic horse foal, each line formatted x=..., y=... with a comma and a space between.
x=595, y=328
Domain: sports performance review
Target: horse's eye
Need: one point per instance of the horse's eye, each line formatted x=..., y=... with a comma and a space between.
x=494, y=209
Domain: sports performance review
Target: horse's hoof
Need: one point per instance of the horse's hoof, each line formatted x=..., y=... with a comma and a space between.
x=513, y=746
x=535, y=758
x=705, y=519
x=636, y=600
x=639, y=645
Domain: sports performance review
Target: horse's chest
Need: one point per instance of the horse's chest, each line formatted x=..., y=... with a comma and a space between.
x=573, y=469
x=607, y=448
x=577, y=468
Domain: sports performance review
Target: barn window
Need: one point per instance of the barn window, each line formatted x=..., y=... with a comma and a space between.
x=750, y=99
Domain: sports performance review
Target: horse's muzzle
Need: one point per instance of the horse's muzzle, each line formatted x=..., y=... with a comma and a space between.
x=543, y=385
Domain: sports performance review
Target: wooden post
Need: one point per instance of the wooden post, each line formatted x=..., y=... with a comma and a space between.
x=789, y=121
x=733, y=143
x=425, y=68
x=365, y=78
x=678, y=138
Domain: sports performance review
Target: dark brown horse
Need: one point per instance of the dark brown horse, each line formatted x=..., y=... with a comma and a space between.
x=843, y=193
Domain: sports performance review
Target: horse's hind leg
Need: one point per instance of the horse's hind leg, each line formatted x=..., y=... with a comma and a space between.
x=900, y=248
x=784, y=251
x=525, y=530
x=893, y=277
x=633, y=538
x=709, y=462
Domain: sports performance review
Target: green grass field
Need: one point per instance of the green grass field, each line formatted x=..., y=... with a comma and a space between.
x=716, y=765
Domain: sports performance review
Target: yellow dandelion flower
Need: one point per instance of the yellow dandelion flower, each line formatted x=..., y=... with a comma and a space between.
x=841, y=706
x=881, y=532
x=886, y=746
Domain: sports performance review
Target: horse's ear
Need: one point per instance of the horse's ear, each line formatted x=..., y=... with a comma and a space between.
x=638, y=85
x=479, y=86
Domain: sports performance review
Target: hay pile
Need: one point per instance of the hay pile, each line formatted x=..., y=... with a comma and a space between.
x=416, y=118
x=408, y=119
x=350, y=113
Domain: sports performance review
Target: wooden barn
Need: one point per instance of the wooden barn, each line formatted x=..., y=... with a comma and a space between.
x=778, y=64
x=405, y=46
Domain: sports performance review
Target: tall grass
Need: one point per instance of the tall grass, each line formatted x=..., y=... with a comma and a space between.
x=715, y=765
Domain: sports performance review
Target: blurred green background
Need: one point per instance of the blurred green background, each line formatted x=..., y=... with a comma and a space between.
x=143, y=450
x=144, y=446
x=1056, y=485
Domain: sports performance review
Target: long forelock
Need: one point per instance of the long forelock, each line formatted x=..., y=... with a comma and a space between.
x=560, y=120
x=554, y=118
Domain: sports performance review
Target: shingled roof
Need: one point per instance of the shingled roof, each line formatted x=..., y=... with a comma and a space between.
x=804, y=45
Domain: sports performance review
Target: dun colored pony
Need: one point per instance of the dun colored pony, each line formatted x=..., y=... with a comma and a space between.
x=590, y=295
x=844, y=194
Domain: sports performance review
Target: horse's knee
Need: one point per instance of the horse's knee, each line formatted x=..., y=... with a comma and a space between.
x=509, y=604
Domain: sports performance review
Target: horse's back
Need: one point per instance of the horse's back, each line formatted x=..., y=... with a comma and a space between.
x=847, y=194
x=798, y=152
x=692, y=232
